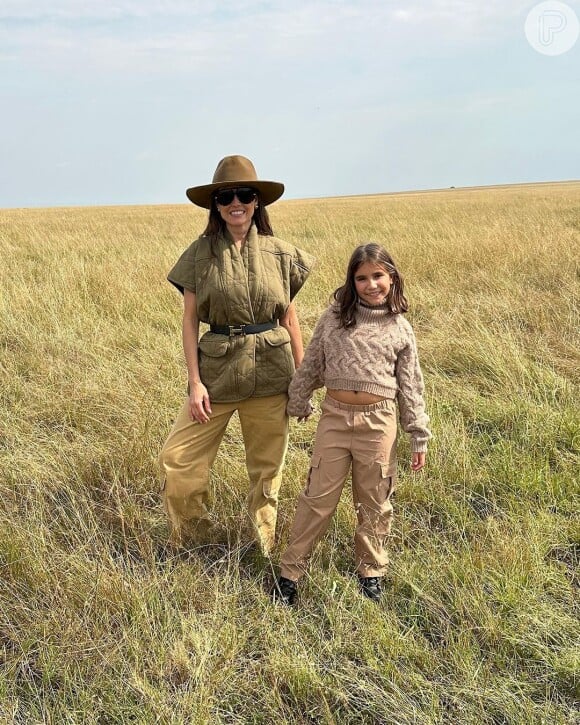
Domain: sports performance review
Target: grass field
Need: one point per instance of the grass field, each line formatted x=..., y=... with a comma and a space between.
x=479, y=622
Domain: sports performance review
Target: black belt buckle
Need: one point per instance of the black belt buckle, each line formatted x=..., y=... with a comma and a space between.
x=237, y=330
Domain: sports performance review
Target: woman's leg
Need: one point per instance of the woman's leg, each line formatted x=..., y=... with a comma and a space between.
x=185, y=460
x=265, y=430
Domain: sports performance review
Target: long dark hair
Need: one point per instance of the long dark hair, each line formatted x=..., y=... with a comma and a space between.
x=217, y=226
x=346, y=295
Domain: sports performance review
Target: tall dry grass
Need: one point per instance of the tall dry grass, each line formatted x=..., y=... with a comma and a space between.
x=479, y=622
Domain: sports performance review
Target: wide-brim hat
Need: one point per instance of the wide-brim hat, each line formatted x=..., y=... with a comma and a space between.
x=235, y=171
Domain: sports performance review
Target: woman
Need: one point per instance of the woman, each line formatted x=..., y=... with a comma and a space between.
x=241, y=280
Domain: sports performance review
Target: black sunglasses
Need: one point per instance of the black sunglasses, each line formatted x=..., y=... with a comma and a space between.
x=245, y=194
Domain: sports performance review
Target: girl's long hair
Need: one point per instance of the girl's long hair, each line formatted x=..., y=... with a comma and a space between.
x=216, y=226
x=346, y=296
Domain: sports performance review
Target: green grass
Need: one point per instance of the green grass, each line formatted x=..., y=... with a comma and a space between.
x=479, y=622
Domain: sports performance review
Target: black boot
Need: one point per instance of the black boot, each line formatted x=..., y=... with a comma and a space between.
x=371, y=587
x=284, y=591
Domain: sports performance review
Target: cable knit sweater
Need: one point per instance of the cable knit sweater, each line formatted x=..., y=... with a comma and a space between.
x=378, y=355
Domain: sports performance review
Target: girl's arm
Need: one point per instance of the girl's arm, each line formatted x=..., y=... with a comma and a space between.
x=290, y=322
x=199, y=403
x=412, y=414
x=309, y=376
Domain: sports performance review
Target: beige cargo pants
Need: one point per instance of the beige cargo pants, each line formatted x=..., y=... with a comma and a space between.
x=191, y=448
x=364, y=437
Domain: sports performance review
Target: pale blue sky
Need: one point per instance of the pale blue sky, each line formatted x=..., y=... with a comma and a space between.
x=134, y=100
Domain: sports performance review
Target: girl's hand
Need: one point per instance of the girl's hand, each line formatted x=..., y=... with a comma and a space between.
x=418, y=461
x=199, y=405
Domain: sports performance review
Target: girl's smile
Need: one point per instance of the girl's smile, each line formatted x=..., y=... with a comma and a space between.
x=372, y=283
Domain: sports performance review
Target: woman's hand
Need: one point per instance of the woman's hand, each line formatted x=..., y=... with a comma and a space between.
x=417, y=461
x=199, y=404
x=304, y=418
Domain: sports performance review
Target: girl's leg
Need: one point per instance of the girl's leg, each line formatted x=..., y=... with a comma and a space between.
x=265, y=429
x=371, y=494
x=185, y=461
x=373, y=483
x=329, y=468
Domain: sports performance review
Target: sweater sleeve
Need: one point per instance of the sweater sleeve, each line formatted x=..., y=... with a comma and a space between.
x=310, y=374
x=414, y=419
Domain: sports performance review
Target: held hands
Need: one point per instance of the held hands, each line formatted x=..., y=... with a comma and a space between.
x=417, y=461
x=304, y=418
x=199, y=404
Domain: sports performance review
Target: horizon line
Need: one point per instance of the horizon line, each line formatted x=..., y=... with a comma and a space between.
x=447, y=189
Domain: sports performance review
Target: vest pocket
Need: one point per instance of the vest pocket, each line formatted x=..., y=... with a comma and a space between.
x=213, y=346
x=215, y=366
x=276, y=337
x=275, y=361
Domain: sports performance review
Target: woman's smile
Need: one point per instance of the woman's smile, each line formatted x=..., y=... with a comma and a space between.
x=237, y=216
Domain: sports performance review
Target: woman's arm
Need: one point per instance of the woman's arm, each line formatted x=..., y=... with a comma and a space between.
x=290, y=322
x=199, y=403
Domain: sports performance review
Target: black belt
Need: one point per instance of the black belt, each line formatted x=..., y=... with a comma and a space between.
x=233, y=330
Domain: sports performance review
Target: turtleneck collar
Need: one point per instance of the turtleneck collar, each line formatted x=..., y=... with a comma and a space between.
x=382, y=306
x=374, y=313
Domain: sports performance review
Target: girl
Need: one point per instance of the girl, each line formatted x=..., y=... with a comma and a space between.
x=363, y=350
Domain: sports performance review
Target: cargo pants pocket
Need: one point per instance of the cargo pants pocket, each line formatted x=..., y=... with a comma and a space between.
x=313, y=475
x=386, y=491
x=270, y=489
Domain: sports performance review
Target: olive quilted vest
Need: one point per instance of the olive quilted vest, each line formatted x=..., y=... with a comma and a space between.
x=249, y=287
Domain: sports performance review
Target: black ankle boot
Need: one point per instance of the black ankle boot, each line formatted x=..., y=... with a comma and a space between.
x=371, y=587
x=284, y=591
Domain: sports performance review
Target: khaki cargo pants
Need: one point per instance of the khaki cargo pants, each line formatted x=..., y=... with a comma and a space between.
x=364, y=437
x=191, y=448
